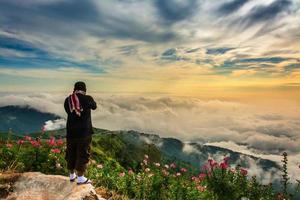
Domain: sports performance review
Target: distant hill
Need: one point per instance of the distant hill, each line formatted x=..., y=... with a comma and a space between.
x=170, y=149
x=192, y=152
x=127, y=146
x=186, y=153
x=21, y=120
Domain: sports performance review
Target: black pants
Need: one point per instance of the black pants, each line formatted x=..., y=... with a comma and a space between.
x=78, y=153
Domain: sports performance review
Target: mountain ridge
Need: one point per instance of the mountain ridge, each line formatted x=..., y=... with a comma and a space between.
x=172, y=149
x=23, y=119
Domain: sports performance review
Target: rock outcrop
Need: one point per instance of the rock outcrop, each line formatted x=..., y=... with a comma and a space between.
x=38, y=186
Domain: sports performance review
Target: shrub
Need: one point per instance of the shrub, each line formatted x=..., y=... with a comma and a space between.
x=28, y=154
x=146, y=177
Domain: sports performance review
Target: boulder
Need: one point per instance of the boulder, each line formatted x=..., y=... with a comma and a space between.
x=38, y=186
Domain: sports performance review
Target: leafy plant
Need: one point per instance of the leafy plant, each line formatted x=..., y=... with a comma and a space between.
x=139, y=172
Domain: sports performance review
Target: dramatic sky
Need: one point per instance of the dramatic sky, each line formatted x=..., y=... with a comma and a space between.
x=224, y=48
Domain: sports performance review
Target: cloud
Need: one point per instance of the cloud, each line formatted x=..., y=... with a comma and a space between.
x=19, y=45
x=264, y=59
x=37, y=101
x=232, y=6
x=254, y=170
x=104, y=34
x=184, y=118
x=263, y=176
x=266, y=143
x=192, y=50
x=176, y=10
x=81, y=18
x=189, y=149
x=292, y=67
x=245, y=128
x=247, y=66
x=169, y=52
x=55, y=124
x=128, y=50
x=172, y=55
x=266, y=12
x=242, y=72
x=69, y=11
x=27, y=55
x=216, y=51
x=37, y=16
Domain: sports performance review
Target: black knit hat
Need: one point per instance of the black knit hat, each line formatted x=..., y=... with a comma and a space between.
x=80, y=86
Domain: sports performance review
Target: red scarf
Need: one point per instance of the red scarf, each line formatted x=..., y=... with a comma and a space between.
x=74, y=103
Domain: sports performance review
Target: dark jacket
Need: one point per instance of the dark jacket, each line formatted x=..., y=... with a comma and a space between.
x=80, y=126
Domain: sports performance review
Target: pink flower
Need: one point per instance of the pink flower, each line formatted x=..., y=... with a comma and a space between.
x=202, y=176
x=173, y=165
x=51, y=142
x=122, y=174
x=178, y=174
x=196, y=179
x=183, y=170
x=35, y=143
x=215, y=165
x=20, y=142
x=157, y=164
x=212, y=163
x=244, y=172
x=59, y=142
x=28, y=138
x=9, y=145
x=55, y=150
x=223, y=165
x=200, y=188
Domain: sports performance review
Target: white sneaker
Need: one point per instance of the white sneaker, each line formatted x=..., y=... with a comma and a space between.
x=83, y=180
x=73, y=177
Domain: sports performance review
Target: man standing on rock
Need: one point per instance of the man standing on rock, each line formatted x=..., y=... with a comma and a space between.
x=79, y=132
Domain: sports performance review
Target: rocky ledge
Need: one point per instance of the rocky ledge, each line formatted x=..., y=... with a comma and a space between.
x=38, y=186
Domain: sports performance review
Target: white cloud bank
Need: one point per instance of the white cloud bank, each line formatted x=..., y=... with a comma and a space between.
x=242, y=127
x=55, y=124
